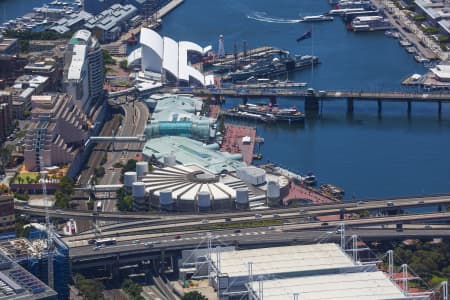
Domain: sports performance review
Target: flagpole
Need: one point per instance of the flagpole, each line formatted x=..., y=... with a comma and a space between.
x=312, y=54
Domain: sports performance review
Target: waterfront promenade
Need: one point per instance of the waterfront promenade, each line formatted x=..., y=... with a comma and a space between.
x=233, y=141
x=399, y=20
x=118, y=47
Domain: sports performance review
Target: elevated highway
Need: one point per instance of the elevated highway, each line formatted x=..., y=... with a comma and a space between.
x=138, y=250
x=315, y=210
x=295, y=224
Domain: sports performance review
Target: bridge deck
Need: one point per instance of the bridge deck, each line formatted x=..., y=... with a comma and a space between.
x=325, y=95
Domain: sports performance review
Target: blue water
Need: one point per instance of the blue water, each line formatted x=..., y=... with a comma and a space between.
x=11, y=9
x=368, y=156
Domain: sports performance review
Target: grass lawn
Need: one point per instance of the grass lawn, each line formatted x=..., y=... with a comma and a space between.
x=33, y=176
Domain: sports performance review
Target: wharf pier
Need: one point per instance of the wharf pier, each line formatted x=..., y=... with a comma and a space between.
x=246, y=116
x=240, y=139
x=399, y=20
x=313, y=99
x=118, y=48
x=169, y=7
x=298, y=191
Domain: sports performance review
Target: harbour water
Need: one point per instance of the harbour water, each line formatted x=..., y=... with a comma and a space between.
x=11, y=9
x=368, y=156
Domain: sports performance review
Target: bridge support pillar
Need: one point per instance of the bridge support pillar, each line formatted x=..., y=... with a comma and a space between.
x=350, y=107
x=409, y=108
x=439, y=109
x=311, y=104
x=244, y=100
x=163, y=261
x=380, y=107
x=273, y=100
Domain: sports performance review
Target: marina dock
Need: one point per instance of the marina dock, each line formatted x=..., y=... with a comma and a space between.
x=118, y=48
x=169, y=7
x=414, y=35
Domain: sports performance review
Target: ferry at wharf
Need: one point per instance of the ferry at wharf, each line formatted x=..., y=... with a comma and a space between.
x=271, y=65
x=273, y=112
x=369, y=23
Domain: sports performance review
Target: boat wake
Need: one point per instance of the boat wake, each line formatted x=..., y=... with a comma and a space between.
x=263, y=17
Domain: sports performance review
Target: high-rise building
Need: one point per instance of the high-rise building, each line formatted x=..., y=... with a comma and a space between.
x=7, y=215
x=58, y=131
x=6, y=117
x=83, y=69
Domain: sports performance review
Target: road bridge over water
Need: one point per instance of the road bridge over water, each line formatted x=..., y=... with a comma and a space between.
x=314, y=98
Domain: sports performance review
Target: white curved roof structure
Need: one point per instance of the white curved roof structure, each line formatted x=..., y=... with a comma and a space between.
x=170, y=59
x=185, y=184
x=160, y=54
x=134, y=57
x=152, y=50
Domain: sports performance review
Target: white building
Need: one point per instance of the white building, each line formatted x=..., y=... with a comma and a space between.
x=83, y=69
x=163, y=59
x=306, y=272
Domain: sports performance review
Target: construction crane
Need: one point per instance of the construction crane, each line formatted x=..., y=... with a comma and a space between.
x=48, y=225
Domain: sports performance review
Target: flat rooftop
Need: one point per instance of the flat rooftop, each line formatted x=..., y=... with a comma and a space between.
x=17, y=283
x=357, y=286
x=189, y=151
x=309, y=259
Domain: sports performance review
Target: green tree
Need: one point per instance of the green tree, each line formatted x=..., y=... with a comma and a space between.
x=64, y=192
x=5, y=158
x=123, y=64
x=124, y=200
x=107, y=58
x=21, y=230
x=99, y=172
x=130, y=166
x=26, y=114
x=89, y=288
x=194, y=295
x=133, y=290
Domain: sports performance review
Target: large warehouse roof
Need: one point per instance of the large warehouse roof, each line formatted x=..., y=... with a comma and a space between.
x=352, y=286
x=189, y=151
x=278, y=260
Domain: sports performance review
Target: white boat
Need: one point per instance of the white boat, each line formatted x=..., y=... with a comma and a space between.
x=369, y=23
x=317, y=18
x=421, y=59
x=405, y=43
x=310, y=179
x=411, y=49
x=344, y=11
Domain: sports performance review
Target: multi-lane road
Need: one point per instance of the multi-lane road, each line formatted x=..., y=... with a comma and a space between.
x=294, y=223
x=133, y=124
x=315, y=210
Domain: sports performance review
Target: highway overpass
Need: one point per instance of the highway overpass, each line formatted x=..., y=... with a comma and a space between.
x=136, y=251
x=313, y=210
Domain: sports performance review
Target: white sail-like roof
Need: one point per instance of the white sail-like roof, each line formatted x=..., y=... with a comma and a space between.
x=134, y=57
x=152, y=50
x=162, y=53
x=170, y=58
